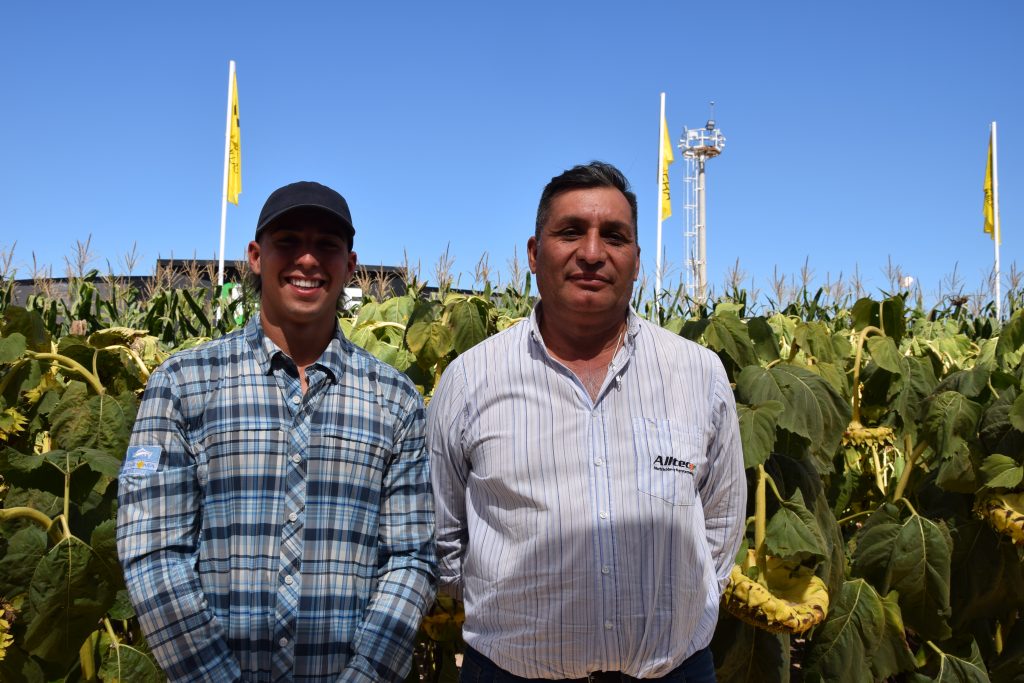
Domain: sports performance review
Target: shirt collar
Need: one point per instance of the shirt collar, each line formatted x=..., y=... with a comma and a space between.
x=332, y=360
x=632, y=326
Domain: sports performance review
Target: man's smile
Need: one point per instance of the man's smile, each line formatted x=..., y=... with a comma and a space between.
x=303, y=283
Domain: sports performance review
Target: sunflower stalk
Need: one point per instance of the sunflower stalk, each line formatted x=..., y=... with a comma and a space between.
x=71, y=365
x=908, y=467
x=861, y=339
x=761, y=518
x=87, y=657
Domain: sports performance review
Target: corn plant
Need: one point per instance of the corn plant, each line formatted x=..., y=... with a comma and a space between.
x=884, y=448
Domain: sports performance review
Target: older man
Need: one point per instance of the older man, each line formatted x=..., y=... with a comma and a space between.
x=275, y=520
x=586, y=467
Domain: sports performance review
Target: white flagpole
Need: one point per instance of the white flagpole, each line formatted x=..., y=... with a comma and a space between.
x=661, y=173
x=224, y=192
x=995, y=228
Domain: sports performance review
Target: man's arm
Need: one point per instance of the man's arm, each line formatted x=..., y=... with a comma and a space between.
x=724, y=491
x=383, y=642
x=449, y=469
x=158, y=523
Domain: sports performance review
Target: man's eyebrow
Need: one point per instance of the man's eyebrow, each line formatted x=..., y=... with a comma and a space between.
x=572, y=221
x=571, y=218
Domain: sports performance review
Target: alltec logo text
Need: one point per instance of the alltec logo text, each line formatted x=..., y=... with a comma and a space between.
x=668, y=463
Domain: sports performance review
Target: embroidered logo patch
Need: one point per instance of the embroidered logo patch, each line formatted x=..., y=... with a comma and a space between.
x=144, y=458
x=667, y=462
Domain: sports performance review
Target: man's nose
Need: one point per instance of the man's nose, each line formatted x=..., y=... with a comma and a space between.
x=306, y=255
x=591, y=248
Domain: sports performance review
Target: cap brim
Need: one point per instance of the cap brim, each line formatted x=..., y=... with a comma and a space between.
x=342, y=222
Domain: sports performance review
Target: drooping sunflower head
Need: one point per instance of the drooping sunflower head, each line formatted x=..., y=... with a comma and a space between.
x=787, y=599
x=1004, y=512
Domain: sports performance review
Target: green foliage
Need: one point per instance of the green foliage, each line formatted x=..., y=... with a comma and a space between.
x=875, y=429
x=968, y=667
x=888, y=315
x=812, y=409
x=910, y=556
x=843, y=648
x=726, y=334
x=794, y=534
x=103, y=421
x=76, y=399
x=893, y=655
x=744, y=654
x=71, y=590
x=126, y=663
x=757, y=430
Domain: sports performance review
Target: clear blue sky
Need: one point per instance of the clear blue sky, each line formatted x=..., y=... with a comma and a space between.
x=855, y=131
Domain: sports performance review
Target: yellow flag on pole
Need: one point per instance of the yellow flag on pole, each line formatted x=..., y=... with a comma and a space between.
x=990, y=206
x=666, y=159
x=234, y=148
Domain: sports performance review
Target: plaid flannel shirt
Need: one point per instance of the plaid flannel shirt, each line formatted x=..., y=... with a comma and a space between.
x=271, y=535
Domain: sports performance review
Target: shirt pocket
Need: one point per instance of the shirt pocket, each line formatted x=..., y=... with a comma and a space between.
x=233, y=456
x=341, y=456
x=667, y=459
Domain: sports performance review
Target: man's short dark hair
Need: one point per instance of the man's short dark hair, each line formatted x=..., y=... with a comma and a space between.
x=582, y=177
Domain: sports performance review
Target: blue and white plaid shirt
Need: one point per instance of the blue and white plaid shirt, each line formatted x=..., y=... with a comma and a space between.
x=271, y=535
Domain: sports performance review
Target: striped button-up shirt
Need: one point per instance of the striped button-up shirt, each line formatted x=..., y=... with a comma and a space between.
x=273, y=535
x=586, y=535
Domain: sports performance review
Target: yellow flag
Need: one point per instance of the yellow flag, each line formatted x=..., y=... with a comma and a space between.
x=234, y=148
x=666, y=159
x=990, y=206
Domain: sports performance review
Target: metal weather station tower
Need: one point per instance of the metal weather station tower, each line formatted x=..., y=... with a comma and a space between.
x=698, y=145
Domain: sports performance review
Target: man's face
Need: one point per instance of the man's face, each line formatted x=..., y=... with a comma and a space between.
x=587, y=257
x=303, y=267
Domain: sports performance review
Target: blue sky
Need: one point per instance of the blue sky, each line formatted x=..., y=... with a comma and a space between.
x=856, y=132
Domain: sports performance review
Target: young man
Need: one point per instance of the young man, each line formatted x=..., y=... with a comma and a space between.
x=275, y=519
x=587, y=468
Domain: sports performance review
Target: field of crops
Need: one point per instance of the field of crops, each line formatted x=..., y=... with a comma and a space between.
x=884, y=448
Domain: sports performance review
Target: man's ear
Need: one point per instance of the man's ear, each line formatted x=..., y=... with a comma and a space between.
x=253, y=252
x=352, y=262
x=531, y=253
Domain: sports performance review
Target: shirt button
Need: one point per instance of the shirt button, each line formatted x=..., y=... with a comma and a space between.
x=296, y=400
x=296, y=458
x=283, y=642
x=608, y=626
x=289, y=580
x=606, y=569
x=599, y=462
x=292, y=516
x=603, y=515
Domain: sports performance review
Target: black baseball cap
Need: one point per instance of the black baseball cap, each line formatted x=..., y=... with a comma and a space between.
x=306, y=195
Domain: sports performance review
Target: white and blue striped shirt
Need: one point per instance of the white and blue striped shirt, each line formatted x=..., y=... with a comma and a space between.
x=586, y=536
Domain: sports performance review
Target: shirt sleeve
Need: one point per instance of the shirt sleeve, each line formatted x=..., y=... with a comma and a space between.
x=724, y=491
x=158, y=521
x=449, y=473
x=383, y=642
